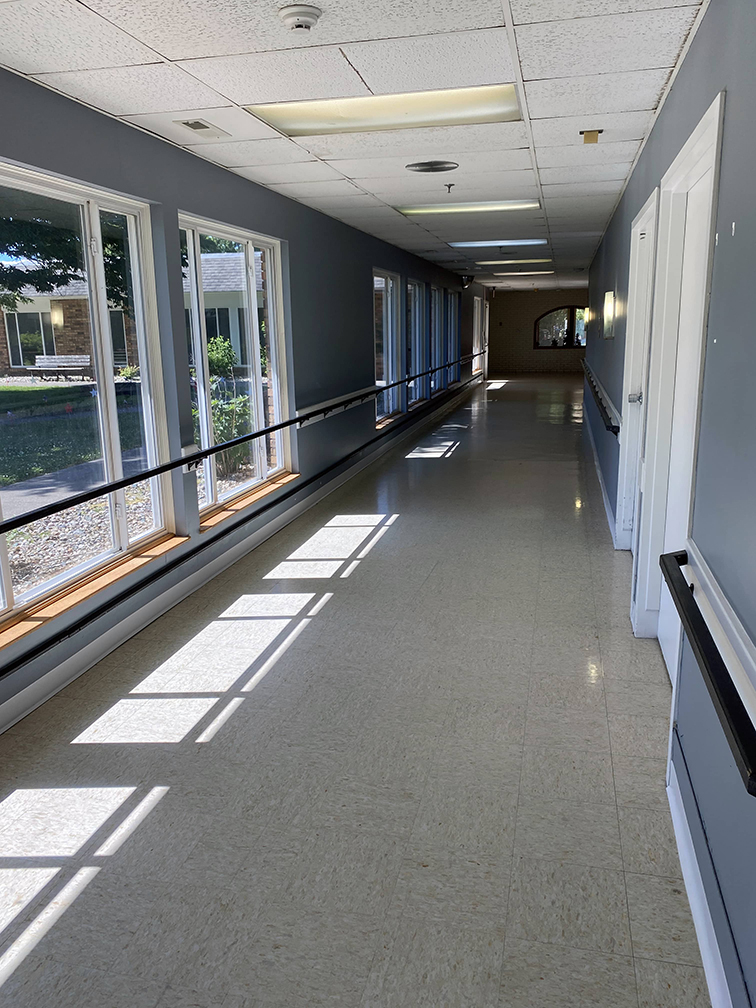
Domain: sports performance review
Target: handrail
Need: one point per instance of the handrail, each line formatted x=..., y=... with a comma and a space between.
x=733, y=716
x=612, y=427
x=193, y=460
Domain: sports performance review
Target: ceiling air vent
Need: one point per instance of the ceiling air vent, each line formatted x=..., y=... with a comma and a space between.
x=201, y=128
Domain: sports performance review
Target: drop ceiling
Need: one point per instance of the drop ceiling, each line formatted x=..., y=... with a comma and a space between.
x=576, y=65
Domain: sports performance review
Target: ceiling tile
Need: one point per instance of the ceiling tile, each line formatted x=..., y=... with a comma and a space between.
x=418, y=144
x=433, y=62
x=280, y=174
x=45, y=36
x=614, y=43
x=497, y=162
x=609, y=92
x=136, y=89
x=329, y=203
x=586, y=154
x=583, y=189
x=240, y=125
x=181, y=29
x=294, y=75
x=247, y=153
x=586, y=173
x=529, y=11
x=615, y=127
x=331, y=187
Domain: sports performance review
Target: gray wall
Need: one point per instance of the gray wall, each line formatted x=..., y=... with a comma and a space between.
x=721, y=58
x=511, y=331
x=327, y=271
x=721, y=814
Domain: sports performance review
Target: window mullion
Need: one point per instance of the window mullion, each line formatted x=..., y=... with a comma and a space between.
x=253, y=342
x=199, y=334
x=6, y=581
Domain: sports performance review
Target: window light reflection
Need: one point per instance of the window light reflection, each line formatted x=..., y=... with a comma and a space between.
x=440, y=449
x=303, y=569
x=18, y=887
x=494, y=385
x=151, y=720
x=55, y=822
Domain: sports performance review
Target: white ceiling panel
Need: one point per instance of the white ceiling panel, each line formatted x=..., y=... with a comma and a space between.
x=247, y=153
x=530, y=11
x=497, y=162
x=240, y=125
x=342, y=202
x=294, y=75
x=586, y=173
x=418, y=144
x=333, y=187
x=609, y=92
x=46, y=36
x=181, y=29
x=583, y=189
x=433, y=62
x=280, y=174
x=615, y=127
x=586, y=154
x=135, y=89
x=614, y=43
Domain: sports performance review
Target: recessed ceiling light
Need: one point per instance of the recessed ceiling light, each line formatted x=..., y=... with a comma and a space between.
x=496, y=206
x=432, y=166
x=452, y=107
x=527, y=273
x=501, y=243
x=508, y=262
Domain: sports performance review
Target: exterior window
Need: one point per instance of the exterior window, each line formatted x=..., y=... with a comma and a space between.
x=452, y=336
x=230, y=285
x=386, y=334
x=478, y=337
x=437, y=338
x=561, y=328
x=415, y=340
x=70, y=286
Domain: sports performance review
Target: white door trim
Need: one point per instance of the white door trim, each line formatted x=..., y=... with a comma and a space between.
x=638, y=332
x=702, y=145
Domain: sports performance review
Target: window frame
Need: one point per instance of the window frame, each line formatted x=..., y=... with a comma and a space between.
x=571, y=323
x=276, y=341
x=392, y=360
x=437, y=339
x=453, y=351
x=92, y=201
x=417, y=350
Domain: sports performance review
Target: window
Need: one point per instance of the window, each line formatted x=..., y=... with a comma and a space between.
x=415, y=362
x=477, y=363
x=561, y=328
x=437, y=347
x=231, y=280
x=386, y=333
x=71, y=287
x=452, y=336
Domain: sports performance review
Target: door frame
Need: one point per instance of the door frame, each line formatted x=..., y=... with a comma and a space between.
x=703, y=143
x=635, y=374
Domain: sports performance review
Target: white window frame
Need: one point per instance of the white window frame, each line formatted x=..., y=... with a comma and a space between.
x=31, y=311
x=278, y=364
x=437, y=335
x=452, y=336
x=417, y=343
x=91, y=201
x=391, y=348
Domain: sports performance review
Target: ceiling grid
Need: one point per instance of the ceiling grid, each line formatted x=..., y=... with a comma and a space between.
x=569, y=65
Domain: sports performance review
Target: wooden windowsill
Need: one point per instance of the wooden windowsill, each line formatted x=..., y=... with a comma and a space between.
x=387, y=420
x=213, y=517
x=19, y=624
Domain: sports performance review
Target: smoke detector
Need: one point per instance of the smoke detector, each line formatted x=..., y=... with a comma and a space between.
x=300, y=17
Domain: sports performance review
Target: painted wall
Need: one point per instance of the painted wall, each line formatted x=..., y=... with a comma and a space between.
x=720, y=812
x=511, y=332
x=327, y=274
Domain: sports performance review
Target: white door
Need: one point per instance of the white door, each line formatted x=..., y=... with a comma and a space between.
x=667, y=469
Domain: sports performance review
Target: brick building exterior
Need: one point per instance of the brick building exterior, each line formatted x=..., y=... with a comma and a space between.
x=512, y=327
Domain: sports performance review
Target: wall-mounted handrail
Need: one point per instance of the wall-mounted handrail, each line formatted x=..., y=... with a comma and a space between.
x=193, y=459
x=610, y=425
x=731, y=711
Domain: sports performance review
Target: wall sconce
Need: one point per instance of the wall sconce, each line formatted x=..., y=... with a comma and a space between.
x=609, y=315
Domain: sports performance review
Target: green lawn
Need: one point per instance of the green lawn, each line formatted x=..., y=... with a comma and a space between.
x=39, y=436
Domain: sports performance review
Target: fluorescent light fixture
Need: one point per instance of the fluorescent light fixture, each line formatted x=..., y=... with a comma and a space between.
x=451, y=107
x=501, y=243
x=491, y=206
x=527, y=273
x=508, y=262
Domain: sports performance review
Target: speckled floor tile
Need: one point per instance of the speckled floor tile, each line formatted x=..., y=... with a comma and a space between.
x=459, y=812
x=39, y=981
x=660, y=920
x=566, y=775
x=648, y=842
x=536, y=975
x=567, y=904
x=582, y=729
x=569, y=831
x=639, y=735
x=640, y=781
x=670, y=985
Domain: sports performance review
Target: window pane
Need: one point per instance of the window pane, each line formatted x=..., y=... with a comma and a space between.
x=47, y=333
x=29, y=337
x=553, y=329
x=195, y=376
x=415, y=354
x=50, y=435
x=131, y=399
x=453, y=337
x=580, y=326
x=437, y=338
x=268, y=364
x=11, y=327
x=232, y=382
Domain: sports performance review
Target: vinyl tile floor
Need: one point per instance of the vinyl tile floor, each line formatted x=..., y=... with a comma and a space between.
x=405, y=753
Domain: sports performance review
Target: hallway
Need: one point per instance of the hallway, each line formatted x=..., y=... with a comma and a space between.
x=405, y=753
